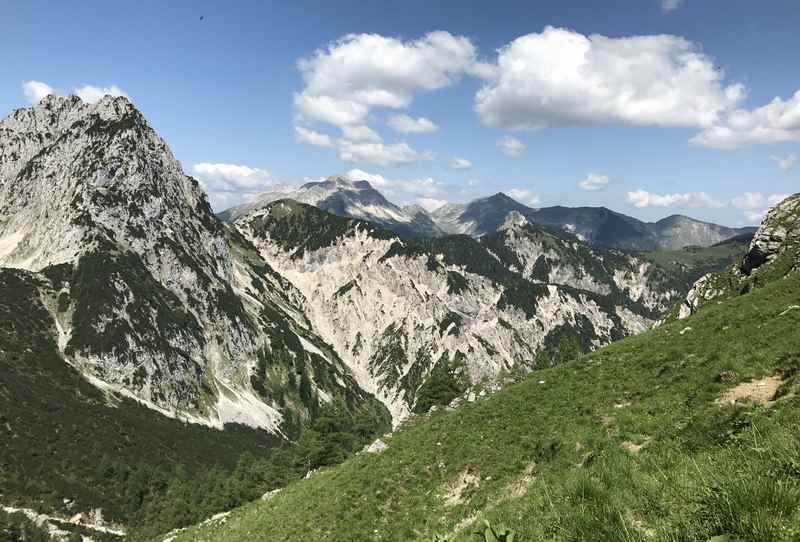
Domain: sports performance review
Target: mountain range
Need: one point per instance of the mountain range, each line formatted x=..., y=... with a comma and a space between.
x=663, y=436
x=597, y=226
x=152, y=296
x=343, y=197
x=124, y=298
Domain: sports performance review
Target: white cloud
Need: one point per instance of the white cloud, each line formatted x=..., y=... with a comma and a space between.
x=91, y=94
x=304, y=135
x=360, y=71
x=405, y=124
x=775, y=122
x=754, y=217
x=229, y=184
x=362, y=145
x=559, y=77
x=424, y=191
x=787, y=162
x=431, y=204
x=360, y=133
x=749, y=200
x=755, y=204
x=594, y=182
x=511, y=146
x=643, y=198
x=460, y=163
x=350, y=76
x=379, y=153
x=34, y=91
x=329, y=110
x=525, y=196
x=670, y=5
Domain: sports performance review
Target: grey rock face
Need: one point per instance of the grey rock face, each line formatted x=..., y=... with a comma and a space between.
x=156, y=298
x=779, y=232
x=395, y=308
x=774, y=252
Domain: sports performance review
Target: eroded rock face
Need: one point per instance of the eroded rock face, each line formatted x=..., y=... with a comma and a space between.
x=779, y=232
x=394, y=308
x=774, y=252
x=152, y=295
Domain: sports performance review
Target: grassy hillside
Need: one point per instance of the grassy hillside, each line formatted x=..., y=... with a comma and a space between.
x=637, y=441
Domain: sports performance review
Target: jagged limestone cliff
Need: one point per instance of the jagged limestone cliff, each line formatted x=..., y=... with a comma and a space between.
x=151, y=295
x=395, y=308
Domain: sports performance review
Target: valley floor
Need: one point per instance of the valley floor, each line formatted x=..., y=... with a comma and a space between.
x=668, y=435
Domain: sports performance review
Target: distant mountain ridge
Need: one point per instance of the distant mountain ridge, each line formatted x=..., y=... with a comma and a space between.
x=597, y=226
x=344, y=197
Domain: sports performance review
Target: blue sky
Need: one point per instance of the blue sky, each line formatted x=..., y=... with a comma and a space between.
x=658, y=106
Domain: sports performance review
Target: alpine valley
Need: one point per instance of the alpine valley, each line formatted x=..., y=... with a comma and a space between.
x=147, y=343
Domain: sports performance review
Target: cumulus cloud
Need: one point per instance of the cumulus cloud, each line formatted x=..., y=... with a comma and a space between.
x=643, y=198
x=511, y=146
x=594, y=182
x=379, y=153
x=360, y=71
x=229, y=184
x=351, y=76
x=329, y=110
x=525, y=196
x=749, y=200
x=670, y=5
x=559, y=78
x=431, y=204
x=91, y=94
x=34, y=91
x=460, y=163
x=362, y=145
x=425, y=191
x=754, y=217
x=786, y=162
x=776, y=122
x=360, y=133
x=405, y=124
x=304, y=135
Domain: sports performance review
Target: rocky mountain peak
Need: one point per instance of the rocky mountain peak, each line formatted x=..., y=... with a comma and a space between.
x=55, y=114
x=111, y=172
x=156, y=299
x=338, y=182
